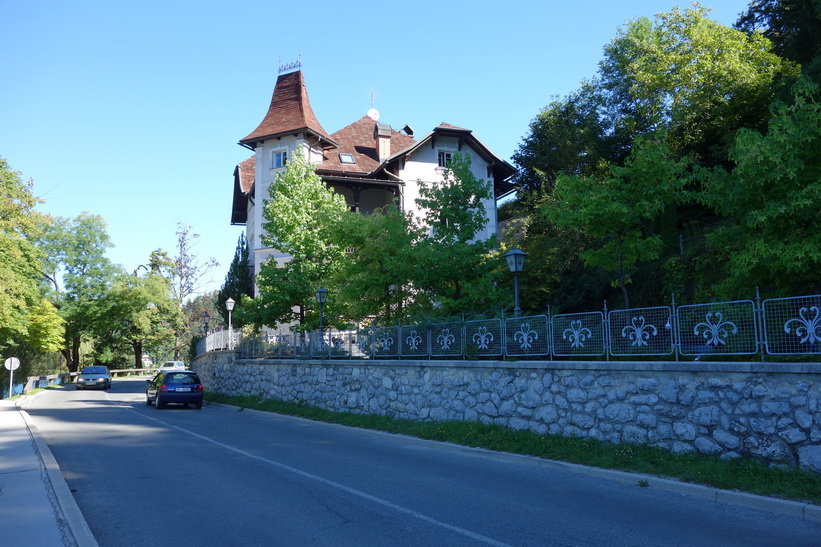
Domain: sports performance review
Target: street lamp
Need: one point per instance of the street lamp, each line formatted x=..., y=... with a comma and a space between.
x=516, y=263
x=321, y=297
x=206, y=319
x=229, y=305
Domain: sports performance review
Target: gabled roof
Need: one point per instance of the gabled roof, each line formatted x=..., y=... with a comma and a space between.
x=289, y=113
x=498, y=168
x=244, y=176
x=359, y=140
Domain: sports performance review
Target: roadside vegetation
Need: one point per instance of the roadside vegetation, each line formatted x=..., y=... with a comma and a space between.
x=742, y=475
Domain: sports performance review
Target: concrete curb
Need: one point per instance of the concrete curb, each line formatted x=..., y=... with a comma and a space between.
x=802, y=510
x=67, y=511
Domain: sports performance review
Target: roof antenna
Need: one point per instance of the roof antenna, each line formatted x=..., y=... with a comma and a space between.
x=373, y=113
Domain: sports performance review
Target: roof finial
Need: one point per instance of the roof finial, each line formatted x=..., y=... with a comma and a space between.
x=296, y=65
x=373, y=113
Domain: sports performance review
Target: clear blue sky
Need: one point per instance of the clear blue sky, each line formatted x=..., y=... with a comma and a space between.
x=132, y=110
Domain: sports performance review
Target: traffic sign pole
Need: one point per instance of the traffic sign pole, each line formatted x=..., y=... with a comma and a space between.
x=11, y=364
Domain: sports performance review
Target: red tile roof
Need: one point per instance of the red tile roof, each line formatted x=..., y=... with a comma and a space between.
x=290, y=112
x=247, y=174
x=359, y=140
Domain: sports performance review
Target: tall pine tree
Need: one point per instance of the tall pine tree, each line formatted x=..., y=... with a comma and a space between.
x=238, y=281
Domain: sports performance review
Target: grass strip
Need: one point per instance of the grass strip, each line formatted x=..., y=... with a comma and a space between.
x=745, y=475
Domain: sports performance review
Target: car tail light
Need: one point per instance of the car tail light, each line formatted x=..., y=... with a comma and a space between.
x=163, y=388
x=199, y=388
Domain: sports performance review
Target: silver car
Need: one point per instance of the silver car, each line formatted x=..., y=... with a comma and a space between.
x=96, y=376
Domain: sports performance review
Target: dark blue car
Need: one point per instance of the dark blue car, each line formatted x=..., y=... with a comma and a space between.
x=174, y=386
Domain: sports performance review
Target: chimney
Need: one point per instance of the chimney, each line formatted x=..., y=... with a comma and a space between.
x=382, y=133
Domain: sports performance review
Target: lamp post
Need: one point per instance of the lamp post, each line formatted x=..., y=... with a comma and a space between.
x=516, y=263
x=229, y=305
x=321, y=297
x=205, y=320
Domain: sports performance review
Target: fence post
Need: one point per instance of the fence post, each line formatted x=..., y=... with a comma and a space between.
x=674, y=325
x=758, y=321
x=606, y=332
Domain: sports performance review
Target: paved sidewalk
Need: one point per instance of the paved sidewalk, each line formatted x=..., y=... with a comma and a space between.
x=36, y=507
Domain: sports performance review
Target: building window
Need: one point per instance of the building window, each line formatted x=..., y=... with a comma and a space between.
x=444, y=158
x=279, y=158
x=347, y=158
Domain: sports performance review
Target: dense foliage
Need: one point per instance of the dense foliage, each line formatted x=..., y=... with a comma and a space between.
x=685, y=165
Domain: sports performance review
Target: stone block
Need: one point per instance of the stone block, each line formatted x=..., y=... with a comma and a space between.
x=684, y=431
x=705, y=445
x=809, y=458
x=726, y=439
x=777, y=408
x=793, y=436
x=706, y=416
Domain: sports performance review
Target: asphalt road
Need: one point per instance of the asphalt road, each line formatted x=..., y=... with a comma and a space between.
x=220, y=476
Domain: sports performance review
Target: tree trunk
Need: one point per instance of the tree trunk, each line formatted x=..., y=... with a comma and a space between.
x=138, y=353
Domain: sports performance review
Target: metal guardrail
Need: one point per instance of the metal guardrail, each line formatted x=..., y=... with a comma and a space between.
x=34, y=382
x=774, y=327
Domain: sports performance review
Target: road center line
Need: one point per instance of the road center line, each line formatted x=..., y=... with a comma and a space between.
x=336, y=485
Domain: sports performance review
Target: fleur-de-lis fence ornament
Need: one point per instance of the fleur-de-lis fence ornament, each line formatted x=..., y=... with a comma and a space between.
x=809, y=329
x=525, y=336
x=482, y=338
x=715, y=332
x=639, y=332
x=445, y=339
x=384, y=341
x=337, y=344
x=413, y=340
x=576, y=334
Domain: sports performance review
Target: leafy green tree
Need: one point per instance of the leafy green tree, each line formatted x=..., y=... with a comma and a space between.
x=23, y=316
x=376, y=278
x=456, y=272
x=555, y=276
x=794, y=28
x=686, y=74
x=620, y=208
x=771, y=200
x=140, y=312
x=568, y=136
x=80, y=275
x=239, y=281
x=300, y=217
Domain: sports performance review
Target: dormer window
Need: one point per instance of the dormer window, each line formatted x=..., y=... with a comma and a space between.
x=444, y=158
x=278, y=159
x=347, y=158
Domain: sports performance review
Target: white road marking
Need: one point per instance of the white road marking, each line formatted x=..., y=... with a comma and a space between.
x=336, y=485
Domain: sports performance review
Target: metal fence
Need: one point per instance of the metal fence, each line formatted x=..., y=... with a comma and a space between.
x=773, y=327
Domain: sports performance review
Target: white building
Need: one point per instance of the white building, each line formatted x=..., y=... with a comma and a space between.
x=368, y=162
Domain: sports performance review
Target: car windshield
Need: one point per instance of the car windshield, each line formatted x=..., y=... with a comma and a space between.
x=94, y=370
x=181, y=379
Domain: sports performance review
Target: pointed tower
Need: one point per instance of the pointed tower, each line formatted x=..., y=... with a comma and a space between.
x=289, y=114
x=288, y=126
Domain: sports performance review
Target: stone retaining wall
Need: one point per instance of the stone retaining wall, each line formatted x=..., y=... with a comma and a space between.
x=770, y=411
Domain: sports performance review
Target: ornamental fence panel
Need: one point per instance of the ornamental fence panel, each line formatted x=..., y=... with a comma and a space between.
x=446, y=339
x=414, y=341
x=776, y=327
x=483, y=338
x=527, y=336
x=718, y=328
x=792, y=326
x=642, y=331
x=578, y=334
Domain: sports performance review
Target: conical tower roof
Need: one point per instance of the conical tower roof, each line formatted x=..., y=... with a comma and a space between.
x=290, y=112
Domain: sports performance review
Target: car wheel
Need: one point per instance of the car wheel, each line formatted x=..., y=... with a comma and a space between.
x=198, y=405
x=158, y=402
x=147, y=400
